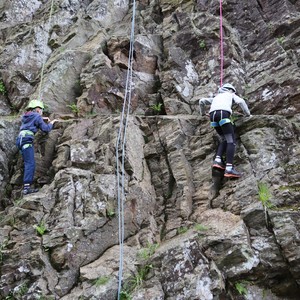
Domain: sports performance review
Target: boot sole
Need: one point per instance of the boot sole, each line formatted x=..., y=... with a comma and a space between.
x=29, y=193
x=218, y=167
x=232, y=176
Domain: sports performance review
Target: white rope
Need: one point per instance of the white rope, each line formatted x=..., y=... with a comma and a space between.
x=121, y=143
x=44, y=52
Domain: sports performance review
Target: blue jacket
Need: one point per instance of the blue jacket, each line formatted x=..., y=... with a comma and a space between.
x=33, y=121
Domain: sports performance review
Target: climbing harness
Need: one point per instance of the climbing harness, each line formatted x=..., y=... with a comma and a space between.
x=221, y=44
x=44, y=51
x=25, y=132
x=120, y=145
x=221, y=122
x=24, y=139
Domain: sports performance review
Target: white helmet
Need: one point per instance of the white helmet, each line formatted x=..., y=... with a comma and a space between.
x=228, y=86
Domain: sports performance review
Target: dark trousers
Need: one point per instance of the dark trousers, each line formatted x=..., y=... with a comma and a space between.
x=226, y=134
x=29, y=164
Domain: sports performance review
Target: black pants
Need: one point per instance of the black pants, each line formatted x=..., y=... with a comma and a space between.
x=226, y=133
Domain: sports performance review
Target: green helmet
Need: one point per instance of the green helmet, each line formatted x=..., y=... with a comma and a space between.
x=35, y=103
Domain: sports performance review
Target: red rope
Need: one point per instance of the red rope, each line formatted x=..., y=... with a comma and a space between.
x=221, y=44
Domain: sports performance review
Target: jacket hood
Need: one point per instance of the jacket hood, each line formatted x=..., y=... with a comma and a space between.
x=28, y=117
x=223, y=90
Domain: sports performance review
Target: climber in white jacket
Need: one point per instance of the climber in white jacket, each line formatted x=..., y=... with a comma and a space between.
x=219, y=113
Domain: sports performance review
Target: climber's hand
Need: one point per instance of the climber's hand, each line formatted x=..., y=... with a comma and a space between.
x=46, y=119
x=53, y=121
x=237, y=113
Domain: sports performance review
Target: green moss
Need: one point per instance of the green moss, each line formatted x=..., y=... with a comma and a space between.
x=200, y=227
x=102, y=280
x=147, y=252
x=2, y=88
x=182, y=230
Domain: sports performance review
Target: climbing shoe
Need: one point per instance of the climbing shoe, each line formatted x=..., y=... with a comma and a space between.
x=232, y=173
x=27, y=191
x=219, y=165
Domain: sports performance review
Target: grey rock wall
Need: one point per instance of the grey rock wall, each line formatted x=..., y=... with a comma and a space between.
x=188, y=235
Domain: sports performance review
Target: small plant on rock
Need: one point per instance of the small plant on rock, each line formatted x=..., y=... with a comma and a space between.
x=9, y=297
x=281, y=39
x=110, y=212
x=264, y=195
x=74, y=108
x=265, y=198
x=124, y=295
x=241, y=288
x=41, y=228
x=137, y=280
x=11, y=221
x=157, y=107
x=21, y=290
x=3, y=246
x=18, y=202
x=202, y=44
x=2, y=88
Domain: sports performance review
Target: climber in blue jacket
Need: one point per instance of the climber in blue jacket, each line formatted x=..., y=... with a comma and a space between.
x=32, y=121
x=219, y=113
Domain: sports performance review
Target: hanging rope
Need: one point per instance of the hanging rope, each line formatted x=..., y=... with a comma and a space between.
x=120, y=145
x=44, y=51
x=221, y=44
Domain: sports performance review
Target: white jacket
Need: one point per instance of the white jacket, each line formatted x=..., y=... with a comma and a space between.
x=223, y=101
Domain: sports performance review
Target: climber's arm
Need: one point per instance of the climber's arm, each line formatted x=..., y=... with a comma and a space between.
x=202, y=103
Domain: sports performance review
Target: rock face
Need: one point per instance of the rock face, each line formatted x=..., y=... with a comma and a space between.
x=187, y=234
